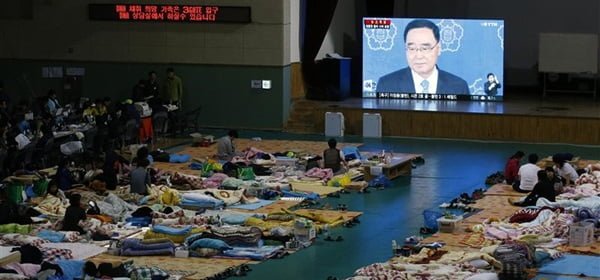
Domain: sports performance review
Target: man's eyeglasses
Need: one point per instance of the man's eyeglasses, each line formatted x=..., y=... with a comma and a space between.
x=421, y=49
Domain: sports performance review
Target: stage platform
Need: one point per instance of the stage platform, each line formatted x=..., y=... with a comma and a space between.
x=556, y=119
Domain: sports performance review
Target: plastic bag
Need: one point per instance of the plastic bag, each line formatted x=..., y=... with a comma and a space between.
x=380, y=182
x=431, y=218
x=246, y=173
x=73, y=147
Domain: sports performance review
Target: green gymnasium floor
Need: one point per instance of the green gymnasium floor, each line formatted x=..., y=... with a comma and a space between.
x=451, y=167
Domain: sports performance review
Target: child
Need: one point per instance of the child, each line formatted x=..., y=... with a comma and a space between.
x=140, y=178
x=74, y=214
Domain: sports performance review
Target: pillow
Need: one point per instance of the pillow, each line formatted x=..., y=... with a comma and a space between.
x=210, y=243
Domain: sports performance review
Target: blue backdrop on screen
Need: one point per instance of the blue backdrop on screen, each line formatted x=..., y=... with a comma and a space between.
x=470, y=49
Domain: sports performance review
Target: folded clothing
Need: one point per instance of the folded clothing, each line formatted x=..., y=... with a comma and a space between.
x=137, y=244
x=198, y=204
x=171, y=230
x=155, y=252
x=236, y=235
x=175, y=238
x=200, y=200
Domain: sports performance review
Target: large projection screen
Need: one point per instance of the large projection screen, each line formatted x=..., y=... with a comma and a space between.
x=401, y=55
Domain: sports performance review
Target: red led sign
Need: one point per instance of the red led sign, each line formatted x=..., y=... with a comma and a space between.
x=169, y=13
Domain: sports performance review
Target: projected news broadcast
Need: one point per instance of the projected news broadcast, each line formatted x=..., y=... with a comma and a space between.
x=437, y=59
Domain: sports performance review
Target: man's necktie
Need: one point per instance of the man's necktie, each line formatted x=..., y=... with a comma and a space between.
x=425, y=86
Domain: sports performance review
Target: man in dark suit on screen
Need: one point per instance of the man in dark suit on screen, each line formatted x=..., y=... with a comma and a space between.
x=422, y=39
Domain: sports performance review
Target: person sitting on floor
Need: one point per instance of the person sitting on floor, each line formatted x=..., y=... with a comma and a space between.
x=64, y=177
x=333, y=158
x=544, y=188
x=527, y=177
x=74, y=214
x=225, y=146
x=140, y=177
x=565, y=170
x=555, y=180
x=53, y=190
x=511, y=170
x=143, y=153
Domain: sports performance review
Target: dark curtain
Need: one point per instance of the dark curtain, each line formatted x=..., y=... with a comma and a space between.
x=382, y=8
x=315, y=20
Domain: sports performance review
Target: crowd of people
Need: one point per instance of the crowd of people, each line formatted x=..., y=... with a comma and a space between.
x=538, y=182
x=30, y=130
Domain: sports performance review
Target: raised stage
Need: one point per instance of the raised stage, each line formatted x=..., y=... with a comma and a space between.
x=556, y=119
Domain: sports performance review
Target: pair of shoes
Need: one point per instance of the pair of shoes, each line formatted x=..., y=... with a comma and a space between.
x=329, y=238
x=365, y=190
x=426, y=230
x=350, y=223
x=335, y=195
x=331, y=278
x=412, y=240
x=342, y=207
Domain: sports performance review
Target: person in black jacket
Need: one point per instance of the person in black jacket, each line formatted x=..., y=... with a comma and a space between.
x=544, y=188
x=74, y=214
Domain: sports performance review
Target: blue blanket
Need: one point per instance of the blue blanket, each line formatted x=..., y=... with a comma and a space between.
x=573, y=265
x=171, y=230
x=52, y=236
x=252, y=206
x=175, y=158
x=136, y=244
x=71, y=269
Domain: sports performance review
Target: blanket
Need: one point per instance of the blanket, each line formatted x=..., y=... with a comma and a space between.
x=257, y=254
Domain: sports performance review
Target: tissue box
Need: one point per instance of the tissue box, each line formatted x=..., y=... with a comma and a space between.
x=448, y=225
x=182, y=253
x=581, y=234
x=305, y=234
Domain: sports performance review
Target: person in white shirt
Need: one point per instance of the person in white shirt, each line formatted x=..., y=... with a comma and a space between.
x=527, y=175
x=565, y=171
